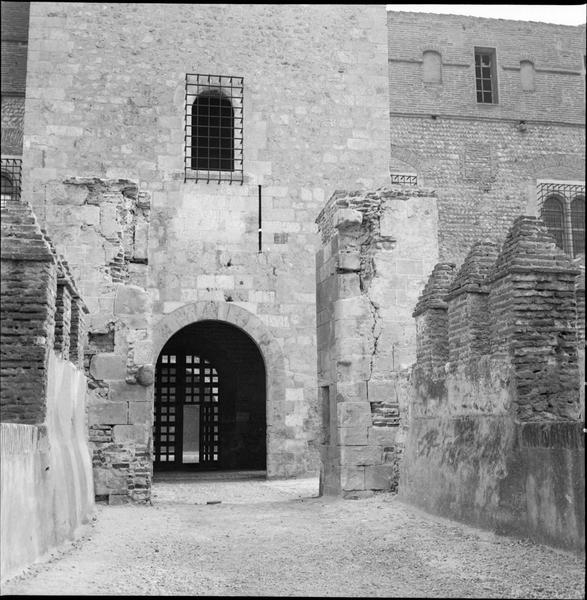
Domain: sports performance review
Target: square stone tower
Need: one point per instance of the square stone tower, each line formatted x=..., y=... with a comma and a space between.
x=178, y=155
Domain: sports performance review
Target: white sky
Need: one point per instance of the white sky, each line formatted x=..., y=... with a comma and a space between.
x=563, y=14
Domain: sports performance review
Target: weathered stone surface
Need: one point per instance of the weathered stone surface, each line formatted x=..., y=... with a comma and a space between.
x=108, y=366
x=347, y=217
x=108, y=481
x=109, y=413
x=379, y=477
x=130, y=433
x=146, y=375
x=361, y=455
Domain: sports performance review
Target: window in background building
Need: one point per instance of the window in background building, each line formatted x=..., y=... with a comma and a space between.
x=10, y=180
x=486, y=75
x=527, y=75
x=562, y=208
x=432, y=67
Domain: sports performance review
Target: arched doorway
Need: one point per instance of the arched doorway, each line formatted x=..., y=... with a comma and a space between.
x=210, y=400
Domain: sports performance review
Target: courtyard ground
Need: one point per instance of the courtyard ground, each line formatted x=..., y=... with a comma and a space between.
x=263, y=538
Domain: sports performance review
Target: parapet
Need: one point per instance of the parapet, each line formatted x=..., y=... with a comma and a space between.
x=521, y=307
x=41, y=308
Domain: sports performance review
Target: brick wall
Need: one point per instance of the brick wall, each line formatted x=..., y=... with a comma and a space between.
x=33, y=321
x=482, y=164
x=556, y=52
x=496, y=409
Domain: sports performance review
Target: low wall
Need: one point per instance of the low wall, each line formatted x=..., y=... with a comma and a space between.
x=526, y=480
x=46, y=487
x=495, y=431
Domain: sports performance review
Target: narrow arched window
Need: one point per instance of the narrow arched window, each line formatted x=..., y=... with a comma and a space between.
x=527, y=75
x=212, y=132
x=578, y=224
x=553, y=215
x=432, y=67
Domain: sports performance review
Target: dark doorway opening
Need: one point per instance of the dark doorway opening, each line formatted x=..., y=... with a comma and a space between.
x=210, y=401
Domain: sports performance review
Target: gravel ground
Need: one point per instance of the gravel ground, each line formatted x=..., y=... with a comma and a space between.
x=278, y=538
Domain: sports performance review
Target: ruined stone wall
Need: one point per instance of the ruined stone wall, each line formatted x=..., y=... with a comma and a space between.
x=45, y=474
x=495, y=415
x=376, y=248
x=484, y=165
x=106, y=104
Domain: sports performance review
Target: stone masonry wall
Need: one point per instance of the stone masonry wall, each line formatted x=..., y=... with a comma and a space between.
x=315, y=95
x=483, y=164
x=495, y=424
x=377, y=247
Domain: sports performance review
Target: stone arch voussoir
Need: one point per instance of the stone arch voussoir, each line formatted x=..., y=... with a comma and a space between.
x=268, y=346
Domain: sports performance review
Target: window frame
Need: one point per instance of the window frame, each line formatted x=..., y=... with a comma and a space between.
x=567, y=192
x=227, y=86
x=492, y=52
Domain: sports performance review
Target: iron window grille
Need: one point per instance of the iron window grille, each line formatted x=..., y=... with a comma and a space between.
x=11, y=174
x=562, y=208
x=404, y=178
x=213, y=128
x=485, y=75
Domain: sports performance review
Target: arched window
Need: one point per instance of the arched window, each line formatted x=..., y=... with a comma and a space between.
x=527, y=75
x=212, y=132
x=432, y=66
x=553, y=215
x=578, y=224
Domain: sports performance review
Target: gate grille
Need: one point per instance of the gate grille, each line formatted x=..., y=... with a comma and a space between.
x=187, y=414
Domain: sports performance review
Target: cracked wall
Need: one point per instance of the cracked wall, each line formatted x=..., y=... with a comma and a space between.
x=106, y=104
x=377, y=248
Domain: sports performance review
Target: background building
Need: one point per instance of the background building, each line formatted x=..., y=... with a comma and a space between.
x=491, y=114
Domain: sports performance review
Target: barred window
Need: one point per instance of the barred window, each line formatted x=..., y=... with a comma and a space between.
x=562, y=208
x=10, y=180
x=486, y=75
x=578, y=224
x=214, y=128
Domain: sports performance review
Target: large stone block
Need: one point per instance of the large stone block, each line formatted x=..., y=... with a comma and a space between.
x=353, y=436
x=355, y=307
x=108, y=413
x=382, y=436
x=361, y=455
x=140, y=413
x=379, y=477
x=351, y=391
x=108, y=366
x=348, y=285
x=130, y=300
x=138, y=434
x=352, y=478
x=353, y=414
x=109, y=481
